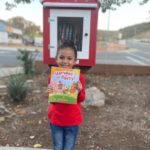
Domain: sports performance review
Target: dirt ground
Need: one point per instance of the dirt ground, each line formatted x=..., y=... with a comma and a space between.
x=122, y=124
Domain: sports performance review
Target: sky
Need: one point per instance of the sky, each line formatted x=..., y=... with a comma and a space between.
x=126, y=15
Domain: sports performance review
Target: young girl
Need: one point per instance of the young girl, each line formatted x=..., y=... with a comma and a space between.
x=65, y=118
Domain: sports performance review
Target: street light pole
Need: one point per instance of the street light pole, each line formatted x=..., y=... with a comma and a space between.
x=108, y=25
x=108, y=22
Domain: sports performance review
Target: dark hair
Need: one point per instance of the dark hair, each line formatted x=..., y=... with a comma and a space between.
x=68, y=44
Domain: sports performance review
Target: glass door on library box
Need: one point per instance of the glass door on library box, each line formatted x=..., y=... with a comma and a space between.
x=66, y=24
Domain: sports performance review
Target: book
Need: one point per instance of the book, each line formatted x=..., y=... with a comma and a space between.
x=63, y=85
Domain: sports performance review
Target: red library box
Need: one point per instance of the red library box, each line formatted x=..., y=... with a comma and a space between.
x=74, y=20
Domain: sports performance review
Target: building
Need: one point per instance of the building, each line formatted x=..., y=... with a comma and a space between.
x=9, y=34
x=3, y=32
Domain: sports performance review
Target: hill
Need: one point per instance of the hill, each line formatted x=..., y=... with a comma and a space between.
x=104, y=35
x=141, y=31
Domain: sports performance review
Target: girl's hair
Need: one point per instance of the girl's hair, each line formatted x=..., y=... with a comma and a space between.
x=68, y=44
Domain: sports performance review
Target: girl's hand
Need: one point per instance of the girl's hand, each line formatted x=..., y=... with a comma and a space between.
x=49, y=89
x=79, y=86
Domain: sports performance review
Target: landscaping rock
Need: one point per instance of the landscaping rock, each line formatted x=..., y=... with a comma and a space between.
x=94, y=97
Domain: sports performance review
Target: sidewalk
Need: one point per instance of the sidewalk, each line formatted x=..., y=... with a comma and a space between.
x=10, y=71
x=16, y=47
x=21, y=148
x=6, y=71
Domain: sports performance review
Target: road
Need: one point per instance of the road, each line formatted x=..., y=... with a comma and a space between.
x=137, y=54
x=8, y=57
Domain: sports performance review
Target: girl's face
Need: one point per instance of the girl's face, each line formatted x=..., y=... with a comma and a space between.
x=65, y=58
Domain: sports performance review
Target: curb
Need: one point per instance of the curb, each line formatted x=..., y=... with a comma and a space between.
x=10, y=71
x=21, y=148
x=16, y=48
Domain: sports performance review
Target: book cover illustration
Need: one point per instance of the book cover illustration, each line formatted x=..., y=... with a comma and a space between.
x=63, y=85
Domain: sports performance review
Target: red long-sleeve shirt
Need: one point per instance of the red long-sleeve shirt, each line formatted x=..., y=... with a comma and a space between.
x=67, y=114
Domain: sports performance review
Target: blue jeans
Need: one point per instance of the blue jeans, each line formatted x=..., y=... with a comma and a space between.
x=64, y=137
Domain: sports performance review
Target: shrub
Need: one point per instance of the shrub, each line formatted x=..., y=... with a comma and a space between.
x=28, y=60
x=17, y=87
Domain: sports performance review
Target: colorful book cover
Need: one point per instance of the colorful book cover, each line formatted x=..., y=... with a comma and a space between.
x=63, y=85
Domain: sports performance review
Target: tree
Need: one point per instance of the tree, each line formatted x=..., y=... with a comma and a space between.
x=13, y=3
x=18, y=22
x=28, y=27
x=109, y=4
x=105, y=4
x=32, y=30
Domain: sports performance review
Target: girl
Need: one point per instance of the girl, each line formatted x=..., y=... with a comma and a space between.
x=65, y=118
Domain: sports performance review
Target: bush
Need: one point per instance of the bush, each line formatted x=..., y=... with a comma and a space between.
x=28, y=60
x=17, y=87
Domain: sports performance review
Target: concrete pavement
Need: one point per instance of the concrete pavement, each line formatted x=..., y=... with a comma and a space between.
x=15, y=48
x=21, y=148
x=6, y=71
x=10, y=71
